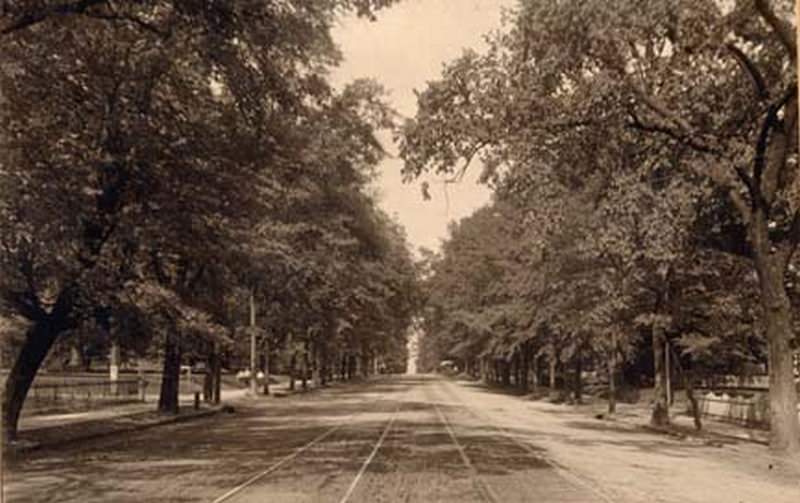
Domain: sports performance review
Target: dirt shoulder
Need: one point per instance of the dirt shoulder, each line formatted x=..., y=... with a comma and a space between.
x=633, y=464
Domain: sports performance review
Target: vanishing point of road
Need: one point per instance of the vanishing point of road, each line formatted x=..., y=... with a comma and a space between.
x=397, y=439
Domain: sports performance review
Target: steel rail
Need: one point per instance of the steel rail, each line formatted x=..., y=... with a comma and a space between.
x=481, y=486
x=294, y=454
x=564, y=472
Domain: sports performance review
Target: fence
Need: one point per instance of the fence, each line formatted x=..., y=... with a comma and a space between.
x=746, y=406
x=83, y=395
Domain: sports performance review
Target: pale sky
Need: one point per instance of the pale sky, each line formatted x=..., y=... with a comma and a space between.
x=405, y=48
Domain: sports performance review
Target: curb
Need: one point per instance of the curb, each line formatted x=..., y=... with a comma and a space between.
x=31, y=446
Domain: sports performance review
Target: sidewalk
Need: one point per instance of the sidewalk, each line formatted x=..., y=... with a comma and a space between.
x=55, y=430
x=682, y=424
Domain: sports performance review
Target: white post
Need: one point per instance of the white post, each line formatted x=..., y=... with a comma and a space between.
x=113, y=366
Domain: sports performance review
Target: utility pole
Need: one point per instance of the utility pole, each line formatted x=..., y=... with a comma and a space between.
x=253, y=370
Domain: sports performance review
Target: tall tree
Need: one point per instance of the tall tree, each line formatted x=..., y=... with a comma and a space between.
x=567, y=78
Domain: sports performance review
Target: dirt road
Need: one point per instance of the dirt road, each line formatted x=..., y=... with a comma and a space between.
x=404, y=439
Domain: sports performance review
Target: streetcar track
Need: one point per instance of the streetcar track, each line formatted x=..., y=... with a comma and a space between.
x=430, y=388
x=480, y=485
x=371, y=456
x=290, y=457
x=558, y=468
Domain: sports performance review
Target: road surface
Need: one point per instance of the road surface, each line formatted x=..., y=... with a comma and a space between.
x=400, y=439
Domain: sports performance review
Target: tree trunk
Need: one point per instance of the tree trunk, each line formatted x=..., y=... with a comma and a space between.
x=688, y=381
x=364, y=364
x=212, y=383
x=253, y=345
x=771, y=260
x=668, y=373
x=578, y=386
x=265, y=389
x=316, y=382
x=304, y=373
x=208, y=379
x=170, y=380
x=515, y=368
x=612, y=374
x=217, y=372
x=660, y=414
x=292, y=364
x=323, y=366
x=525, y=367
x=38, y=341
x=784, y=426
x=552, y=373
x=142, y=381
x=352, y=366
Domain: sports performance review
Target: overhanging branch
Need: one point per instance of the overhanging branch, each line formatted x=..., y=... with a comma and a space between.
x=31, y=18
x=752, y=71
x=784, y=31
x=680, y=136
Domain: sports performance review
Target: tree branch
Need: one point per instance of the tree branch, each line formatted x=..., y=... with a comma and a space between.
x=784, y=31
x=31, y=18
x=681, y=137
x=26, y=304
x=752, y=71
x=661, y=109
x=760, y=159
x=767, y=183
x=457, y=177
x=131, y=19
x=748, y=182
x=793, y=237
